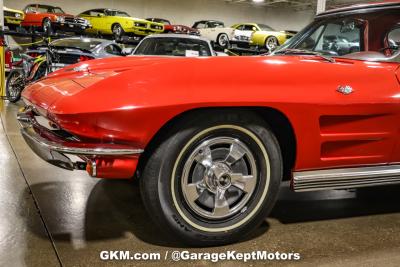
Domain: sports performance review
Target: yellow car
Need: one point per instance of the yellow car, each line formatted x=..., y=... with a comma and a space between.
x=261, y=35
x=13, y=17
x=119, y=23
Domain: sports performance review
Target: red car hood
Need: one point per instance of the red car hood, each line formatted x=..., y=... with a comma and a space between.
x=73, y=79
x=135, y=79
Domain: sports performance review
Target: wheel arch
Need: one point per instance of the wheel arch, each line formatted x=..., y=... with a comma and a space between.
x=115, y=23
x=277, y=121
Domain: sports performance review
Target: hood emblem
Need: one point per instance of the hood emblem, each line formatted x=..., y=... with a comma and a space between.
x=345, y=89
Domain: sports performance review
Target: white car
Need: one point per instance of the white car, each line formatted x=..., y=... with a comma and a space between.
x=215, y=31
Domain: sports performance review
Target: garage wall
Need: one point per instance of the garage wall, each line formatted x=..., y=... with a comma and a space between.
x=188, y=11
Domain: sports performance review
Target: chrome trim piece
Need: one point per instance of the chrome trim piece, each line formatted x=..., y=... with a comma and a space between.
x=53, y=149
x=29, y=133
x=94, y=168
x=346, y=178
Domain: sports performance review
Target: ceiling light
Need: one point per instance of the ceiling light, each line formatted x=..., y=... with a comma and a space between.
x=258, y=1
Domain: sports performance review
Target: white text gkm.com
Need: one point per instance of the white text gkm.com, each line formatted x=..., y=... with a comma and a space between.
x=185, y=255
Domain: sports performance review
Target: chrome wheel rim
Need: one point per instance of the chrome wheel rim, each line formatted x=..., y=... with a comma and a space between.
x=46, y=26
x=223, y=40
x=117, y=30
x=272, y=43
x=14, y=85
x=219, y=178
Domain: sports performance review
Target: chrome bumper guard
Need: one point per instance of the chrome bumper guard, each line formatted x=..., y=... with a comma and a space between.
x=53, y=148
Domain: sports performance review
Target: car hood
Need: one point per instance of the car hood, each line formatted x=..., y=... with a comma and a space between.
x=141, y=81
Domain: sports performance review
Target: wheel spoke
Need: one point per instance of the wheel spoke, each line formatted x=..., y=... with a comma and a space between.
x=204, y=157
x=192, y=192
x=245, y=183
x=236, y=152
x=221, y=205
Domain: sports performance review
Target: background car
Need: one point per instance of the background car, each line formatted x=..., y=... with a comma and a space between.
x=215, y=31
x=261, y=35
x=77, y=49
x=51, y=19
x=175, y=45
x=170, y=28
x=106, y=21
x=13, y=18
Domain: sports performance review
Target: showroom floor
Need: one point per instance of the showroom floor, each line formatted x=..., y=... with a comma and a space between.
x=53, y=217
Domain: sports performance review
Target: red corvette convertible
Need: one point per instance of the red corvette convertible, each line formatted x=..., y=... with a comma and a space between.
x=211, y=139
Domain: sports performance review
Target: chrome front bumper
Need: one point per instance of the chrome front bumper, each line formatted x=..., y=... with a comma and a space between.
x=54, y=149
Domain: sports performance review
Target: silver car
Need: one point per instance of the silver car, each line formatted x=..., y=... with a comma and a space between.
x=77, y=49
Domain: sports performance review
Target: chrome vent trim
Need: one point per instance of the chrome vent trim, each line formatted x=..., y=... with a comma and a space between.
x=346, y=178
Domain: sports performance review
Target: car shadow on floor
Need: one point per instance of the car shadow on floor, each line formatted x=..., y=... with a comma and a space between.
x=106, y=211
x=295, y=207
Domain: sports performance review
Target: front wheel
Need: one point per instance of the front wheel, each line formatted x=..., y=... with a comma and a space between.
x=271, y=43
x=118, y=32
x=47, y=27
x=213, y=181
x=14, y=85
x=223, y=40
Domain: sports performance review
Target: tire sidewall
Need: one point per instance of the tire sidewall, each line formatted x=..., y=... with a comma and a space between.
x=172, y=213
x=227, y=40
x=266, y=43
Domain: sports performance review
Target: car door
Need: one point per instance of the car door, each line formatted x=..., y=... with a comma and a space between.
x=95, y=17
x=32, y=16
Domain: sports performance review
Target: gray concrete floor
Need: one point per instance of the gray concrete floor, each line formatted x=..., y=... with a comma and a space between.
x=52, y=217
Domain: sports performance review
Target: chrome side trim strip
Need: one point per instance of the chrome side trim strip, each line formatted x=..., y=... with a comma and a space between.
x=29, y=133
x=346, y=178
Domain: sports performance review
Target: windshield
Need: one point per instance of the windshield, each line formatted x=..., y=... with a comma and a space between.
x=85, y=44
x=58, y=10
x=333, y=38
x=170, y=46
x=216, y=24
x=44, y=9
x=117, y=13
x=264, y=27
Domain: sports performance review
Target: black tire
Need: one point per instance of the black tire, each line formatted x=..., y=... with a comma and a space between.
x=117, y=31
x=14, y=85
x=271, y=43
x=223, y=40
x=47, y=28
x=162, y=181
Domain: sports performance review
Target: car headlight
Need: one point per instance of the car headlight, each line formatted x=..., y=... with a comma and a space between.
x=60, y=19
x=18, y=15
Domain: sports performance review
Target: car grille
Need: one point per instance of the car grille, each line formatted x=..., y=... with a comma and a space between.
x=75, y=20
x=141, y=24
x=242, y=38
x=12, y=14
x=156, y=27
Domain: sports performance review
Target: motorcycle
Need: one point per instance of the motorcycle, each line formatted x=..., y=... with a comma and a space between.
x=33, y=69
